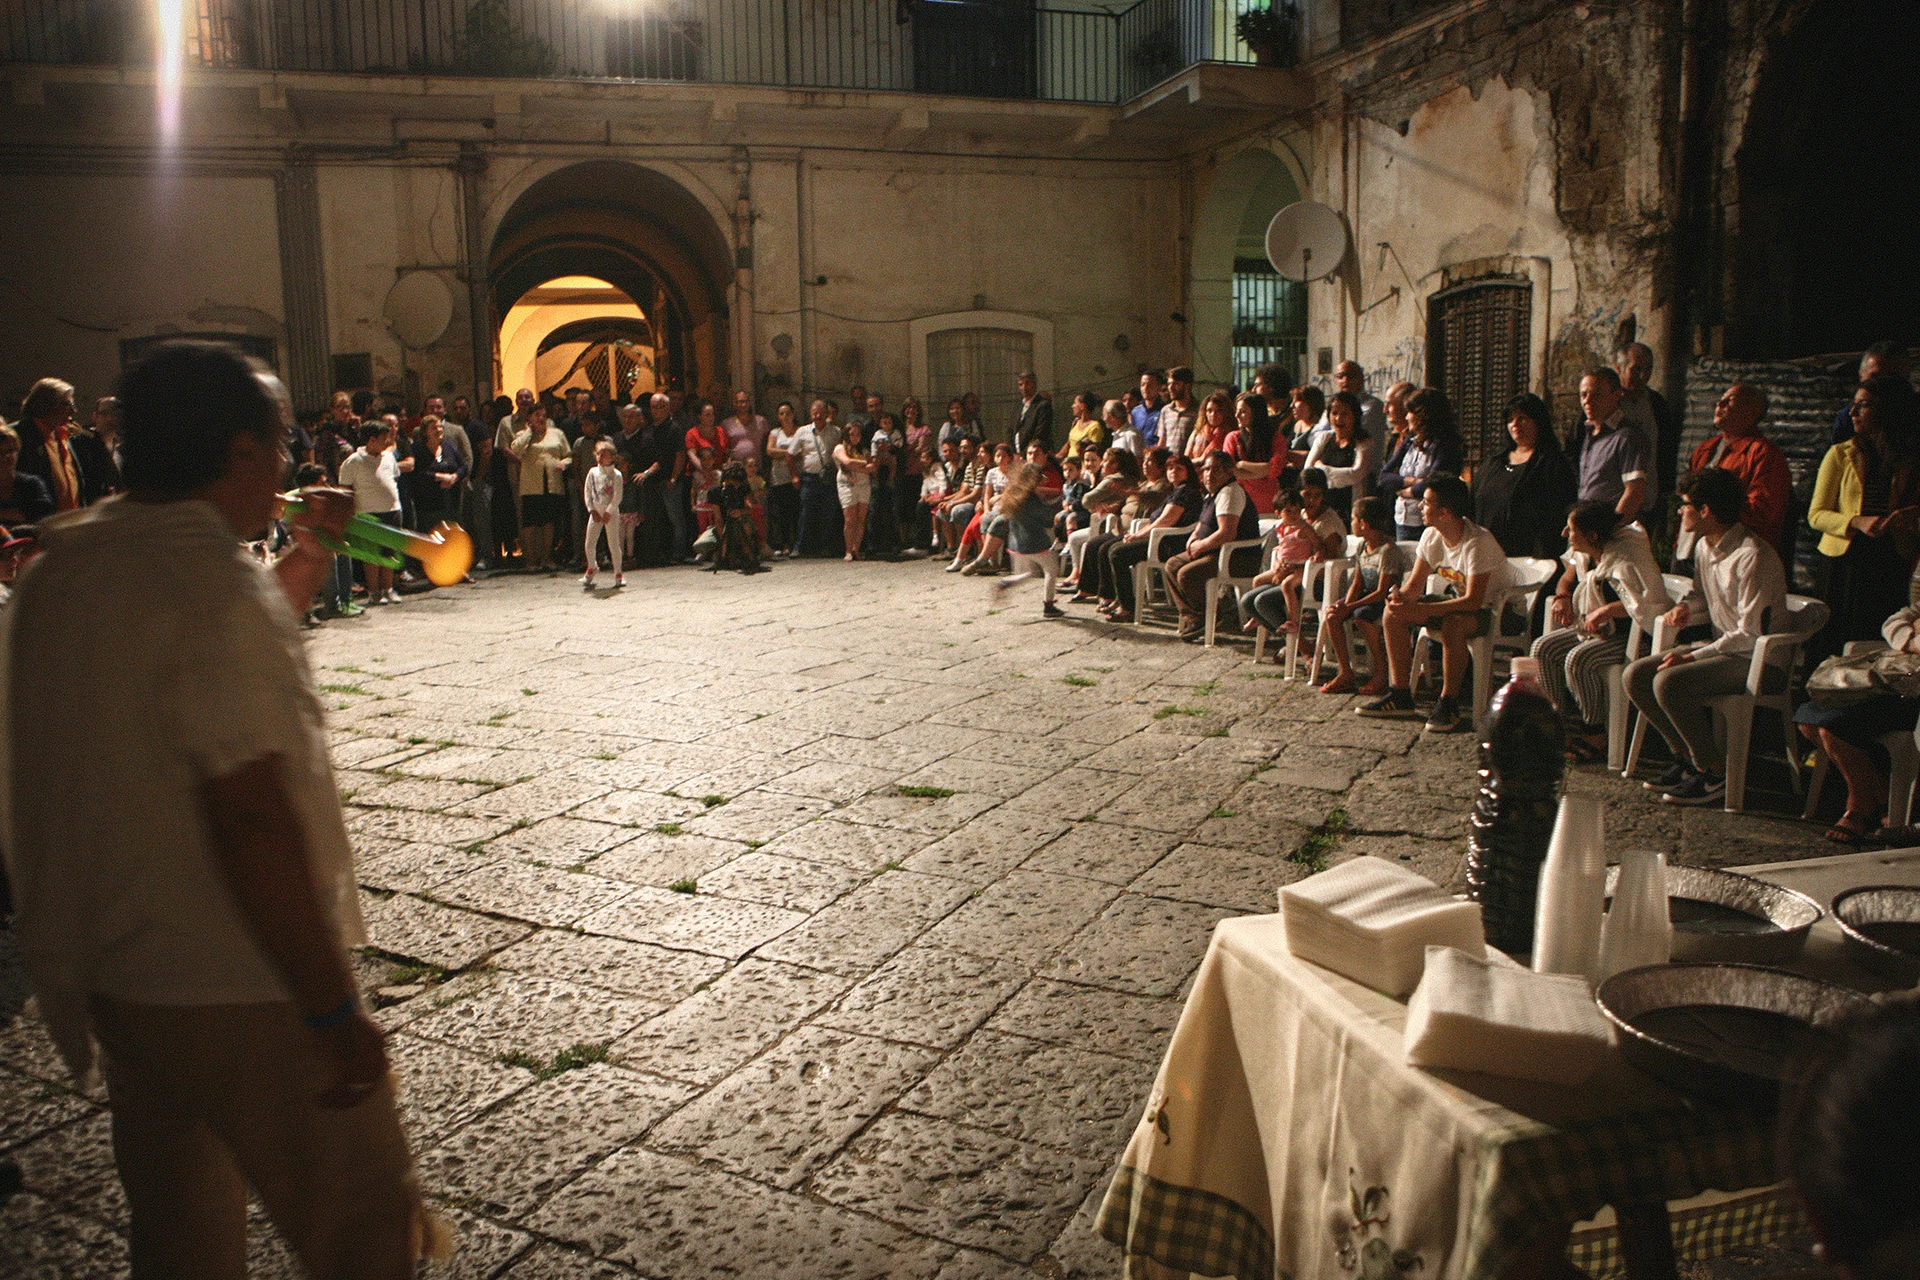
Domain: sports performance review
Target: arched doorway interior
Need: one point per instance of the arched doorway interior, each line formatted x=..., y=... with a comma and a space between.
x=651, y=257
x=1245, y=314
x=577, y=331
x=1823, y=255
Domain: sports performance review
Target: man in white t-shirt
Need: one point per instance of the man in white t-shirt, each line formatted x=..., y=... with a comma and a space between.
x=373, y=474
x=186, y=895
x=1460, y=576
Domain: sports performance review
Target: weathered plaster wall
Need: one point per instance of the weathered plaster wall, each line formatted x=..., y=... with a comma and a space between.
x=84, y=266
x=1524, y=138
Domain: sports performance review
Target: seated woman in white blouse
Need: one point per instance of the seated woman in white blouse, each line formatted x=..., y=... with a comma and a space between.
x=1618, y=583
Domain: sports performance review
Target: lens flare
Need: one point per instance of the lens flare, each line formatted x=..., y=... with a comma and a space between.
x=170, y=71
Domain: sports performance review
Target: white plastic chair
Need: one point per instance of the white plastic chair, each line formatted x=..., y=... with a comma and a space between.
x=1679, y=586
x=1530, y=575
x=1903, y=760
x=1777, y=650
x=1156, y=565
x=1222, y=582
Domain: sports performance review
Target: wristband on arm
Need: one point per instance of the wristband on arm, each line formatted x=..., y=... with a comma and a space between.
x=337, y=1016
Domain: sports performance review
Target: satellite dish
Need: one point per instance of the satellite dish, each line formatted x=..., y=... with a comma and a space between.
x=419, y=308
x=1306, y=240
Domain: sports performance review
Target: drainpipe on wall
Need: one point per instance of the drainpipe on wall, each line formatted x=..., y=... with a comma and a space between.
x=470, y=168
x=1692, y=168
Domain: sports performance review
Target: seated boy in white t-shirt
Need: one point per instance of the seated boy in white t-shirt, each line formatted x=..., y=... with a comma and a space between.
x=1460, y=575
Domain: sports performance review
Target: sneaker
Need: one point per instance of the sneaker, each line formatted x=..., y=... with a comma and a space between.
x=1048, y=609
x=972, y=567
x=1699, y=789
x=1676, y=775
x=1445, y=717
x=586, y=580
x=393, y=597
x=955, y=567
x=619, y=579
x=986, y=570
x=1395, y=704
x=350, y=610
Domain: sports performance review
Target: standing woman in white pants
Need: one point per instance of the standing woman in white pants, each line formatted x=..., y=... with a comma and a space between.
x=601, y=494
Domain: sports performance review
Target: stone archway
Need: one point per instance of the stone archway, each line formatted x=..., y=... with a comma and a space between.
x=640, y=232
x=1821, y=252
x=1230, y=226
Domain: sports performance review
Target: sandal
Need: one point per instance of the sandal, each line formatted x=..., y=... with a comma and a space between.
x=1843, y=833
x=1339, y=684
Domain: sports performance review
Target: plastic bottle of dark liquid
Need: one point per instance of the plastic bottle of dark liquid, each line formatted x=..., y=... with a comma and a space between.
x=1522, y=760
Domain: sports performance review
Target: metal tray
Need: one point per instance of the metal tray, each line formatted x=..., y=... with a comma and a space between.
x=1886, y=912
x=1724, y=916
x=1729, y=1032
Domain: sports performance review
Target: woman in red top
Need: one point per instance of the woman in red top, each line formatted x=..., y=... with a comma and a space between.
x=1258, y=465
x=705, y=433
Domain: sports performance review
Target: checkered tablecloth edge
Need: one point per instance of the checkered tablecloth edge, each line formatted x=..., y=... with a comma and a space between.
x=1699, y=1234
x=1564, y=1173
x=1184, y=1228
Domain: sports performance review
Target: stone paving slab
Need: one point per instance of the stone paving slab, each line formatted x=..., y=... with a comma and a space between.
x=875, y=1033
x=927, y=996
x=669, y=1217
x=960, y=1184
x=782, y=1116
x=512, y=1159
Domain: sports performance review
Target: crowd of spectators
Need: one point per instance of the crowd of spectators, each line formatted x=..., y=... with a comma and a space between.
x=1382, y=483
x=1436, y=546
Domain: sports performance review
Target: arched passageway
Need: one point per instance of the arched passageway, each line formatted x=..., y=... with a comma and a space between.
x=654, y=262
x=1244, y=313
x=1823, y=254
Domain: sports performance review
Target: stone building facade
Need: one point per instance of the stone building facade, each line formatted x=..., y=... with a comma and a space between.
x=1524, y=185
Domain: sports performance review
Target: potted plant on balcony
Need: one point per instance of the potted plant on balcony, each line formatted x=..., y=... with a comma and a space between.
x=1272, y=33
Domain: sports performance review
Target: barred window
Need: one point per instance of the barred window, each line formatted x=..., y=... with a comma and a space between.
x=1269, y=321
x=1477, y=336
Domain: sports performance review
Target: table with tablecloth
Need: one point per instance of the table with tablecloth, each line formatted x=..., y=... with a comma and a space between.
x=1287, y=1137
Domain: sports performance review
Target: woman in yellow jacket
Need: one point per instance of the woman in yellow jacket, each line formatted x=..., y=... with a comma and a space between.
x=1866, y=506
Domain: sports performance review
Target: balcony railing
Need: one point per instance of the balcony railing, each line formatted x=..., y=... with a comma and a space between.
x=990, y=48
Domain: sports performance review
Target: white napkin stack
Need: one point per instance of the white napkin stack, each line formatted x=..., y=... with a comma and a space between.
x=1476, y=1015
x=1373, y=920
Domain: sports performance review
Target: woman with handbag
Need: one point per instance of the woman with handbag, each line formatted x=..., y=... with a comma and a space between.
x=1847, y=729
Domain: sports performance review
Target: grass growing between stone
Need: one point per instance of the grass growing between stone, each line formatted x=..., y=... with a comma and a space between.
x=685, y=886
x=571, y=1058
x=1166, y=713
x=925, y=793
x=1319, y=845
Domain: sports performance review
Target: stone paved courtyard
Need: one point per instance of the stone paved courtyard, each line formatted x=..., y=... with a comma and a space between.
x=686, y=980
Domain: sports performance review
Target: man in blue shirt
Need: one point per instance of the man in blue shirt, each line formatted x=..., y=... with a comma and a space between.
x=1146, y=414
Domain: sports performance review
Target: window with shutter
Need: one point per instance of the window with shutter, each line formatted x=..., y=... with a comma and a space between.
x=1477, y=335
